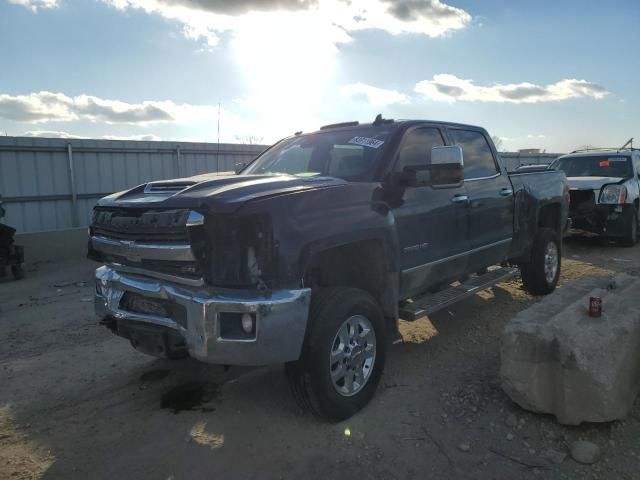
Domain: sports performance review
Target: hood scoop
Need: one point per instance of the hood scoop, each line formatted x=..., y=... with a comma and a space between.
x=166, y=188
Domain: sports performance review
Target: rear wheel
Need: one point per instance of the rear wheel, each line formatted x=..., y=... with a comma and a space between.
x=541, y=273
x=343, y=356
x=631, y=236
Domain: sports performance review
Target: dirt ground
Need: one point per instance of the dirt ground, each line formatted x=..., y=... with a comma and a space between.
x=78, y=402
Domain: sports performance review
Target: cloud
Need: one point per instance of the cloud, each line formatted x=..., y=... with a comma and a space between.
x=34, y=5
x=451, y=88
x=146, y=138
x=67, y=135
x=37, y=107
x=533, y=135
x=238, y=7
x=439, y=16
x=379, y=97
x=207, y=19
x=58, y=107
x=113, y=111
x=49, y=134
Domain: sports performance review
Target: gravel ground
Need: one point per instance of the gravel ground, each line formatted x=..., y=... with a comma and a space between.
x=78, y=402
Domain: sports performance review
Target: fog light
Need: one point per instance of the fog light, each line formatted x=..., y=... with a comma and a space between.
x=247, y=323
x=237, y=326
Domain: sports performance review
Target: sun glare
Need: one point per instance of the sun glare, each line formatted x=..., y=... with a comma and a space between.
x=288, y=61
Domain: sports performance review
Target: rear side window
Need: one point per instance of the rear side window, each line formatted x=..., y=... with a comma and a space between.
x=416, y=148
x=478, y=159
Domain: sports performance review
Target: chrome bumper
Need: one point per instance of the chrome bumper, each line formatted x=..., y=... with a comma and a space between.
x=281, y=317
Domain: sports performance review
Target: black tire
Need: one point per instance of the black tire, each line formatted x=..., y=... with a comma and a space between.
x=310, y=377
x=17, y=271
x=534, y=272
x=631, y=236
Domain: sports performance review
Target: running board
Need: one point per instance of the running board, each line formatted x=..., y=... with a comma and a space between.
x=432, y=302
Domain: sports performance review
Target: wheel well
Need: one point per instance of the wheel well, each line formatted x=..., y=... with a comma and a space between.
x=360, y=265
x=549, y=217
x=363, y=264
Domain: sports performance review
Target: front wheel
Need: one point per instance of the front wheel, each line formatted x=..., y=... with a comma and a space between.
x=541, y=273
x=343, y=356
x=631, y=235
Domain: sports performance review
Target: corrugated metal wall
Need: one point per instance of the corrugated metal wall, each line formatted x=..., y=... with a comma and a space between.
x=52, y=183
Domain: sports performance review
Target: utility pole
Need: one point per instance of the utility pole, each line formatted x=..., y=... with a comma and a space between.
x=218, y=152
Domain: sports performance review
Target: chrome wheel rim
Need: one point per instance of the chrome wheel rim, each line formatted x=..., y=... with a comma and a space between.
x=352, y=355
x=551, y=262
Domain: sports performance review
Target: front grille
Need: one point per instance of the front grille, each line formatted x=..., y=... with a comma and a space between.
x=189, y=270
x=159, y=237
x=148, y=226
x=157, y=230
x=582, y=202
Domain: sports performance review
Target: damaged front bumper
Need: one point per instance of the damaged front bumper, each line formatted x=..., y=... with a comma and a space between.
x=602, y=219
x=168, y=319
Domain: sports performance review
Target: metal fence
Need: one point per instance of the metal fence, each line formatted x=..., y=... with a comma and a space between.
x=52, y=183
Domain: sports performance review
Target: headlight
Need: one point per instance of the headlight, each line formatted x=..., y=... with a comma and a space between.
x=235, y=252
x=613, y=194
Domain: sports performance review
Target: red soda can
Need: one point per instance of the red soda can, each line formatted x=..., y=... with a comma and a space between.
x=595, y=306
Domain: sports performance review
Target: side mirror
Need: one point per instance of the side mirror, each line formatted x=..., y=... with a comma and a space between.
x=415, y=177
x=447, y=167
x=240, y=166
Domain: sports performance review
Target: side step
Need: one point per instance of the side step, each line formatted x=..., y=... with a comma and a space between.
x=432, y=302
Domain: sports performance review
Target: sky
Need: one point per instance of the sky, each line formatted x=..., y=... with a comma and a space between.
x=555, y=75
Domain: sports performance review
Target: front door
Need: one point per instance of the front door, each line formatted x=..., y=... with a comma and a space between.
x=432, y=223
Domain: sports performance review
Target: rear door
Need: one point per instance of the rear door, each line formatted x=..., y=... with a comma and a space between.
x=432, y=224
x=490, y=199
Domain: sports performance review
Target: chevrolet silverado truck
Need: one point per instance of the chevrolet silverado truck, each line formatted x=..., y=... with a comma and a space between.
x=310, y=254
x=605, y=191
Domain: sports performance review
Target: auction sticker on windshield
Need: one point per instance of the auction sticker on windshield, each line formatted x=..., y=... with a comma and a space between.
x=366, y=142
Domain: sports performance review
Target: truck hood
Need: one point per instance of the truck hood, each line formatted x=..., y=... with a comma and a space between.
x=591, y=183
x=223, y=194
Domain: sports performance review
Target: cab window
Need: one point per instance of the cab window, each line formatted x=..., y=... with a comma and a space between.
x=478, y=158
x=415, y=150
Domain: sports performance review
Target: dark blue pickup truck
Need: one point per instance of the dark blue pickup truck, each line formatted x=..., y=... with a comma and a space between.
x=311, y=254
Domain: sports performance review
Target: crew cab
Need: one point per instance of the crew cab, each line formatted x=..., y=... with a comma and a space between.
x=310, y=254
x=605, y=191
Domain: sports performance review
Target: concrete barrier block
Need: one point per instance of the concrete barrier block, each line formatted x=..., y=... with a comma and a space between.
x=557, y=359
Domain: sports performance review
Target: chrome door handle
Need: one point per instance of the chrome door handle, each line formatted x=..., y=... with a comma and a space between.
x=506, y=192
x=460, y=199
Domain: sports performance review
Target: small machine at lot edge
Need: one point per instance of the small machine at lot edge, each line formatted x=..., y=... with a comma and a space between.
x=11, y=255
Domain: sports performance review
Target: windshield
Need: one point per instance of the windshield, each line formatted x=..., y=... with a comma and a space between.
x=595, y=166
x=348, y=154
